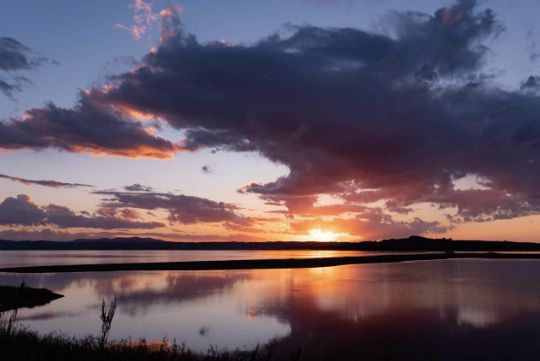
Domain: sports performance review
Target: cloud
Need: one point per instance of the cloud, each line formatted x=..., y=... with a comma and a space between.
x=126, y=213
x=171, y=26
x=208, y=237
x=531, y=84
x=348, y=110
x=90, y=127
x=66, y=218
x=21, y=211
x=531, y=37
x=367, y=117
x=371, y=225
x=369, y=222
x=46, y=234
x=15, y=57
x=138, y=188
x=144, y=19
x=51, y=234
x=45, y=183
x=14, y=84
x=182, y=208
x=207, y=169
x=130, y=213
x=107, y=211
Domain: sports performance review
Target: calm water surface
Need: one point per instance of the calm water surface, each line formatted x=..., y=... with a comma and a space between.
x=44, y=258
x=447, y=310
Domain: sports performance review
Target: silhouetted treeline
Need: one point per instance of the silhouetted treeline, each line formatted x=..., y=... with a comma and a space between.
x=413, y=243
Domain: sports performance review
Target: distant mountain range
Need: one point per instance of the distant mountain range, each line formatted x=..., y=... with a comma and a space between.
x=413, y=243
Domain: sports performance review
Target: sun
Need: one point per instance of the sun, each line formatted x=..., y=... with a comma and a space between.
x=319, y=235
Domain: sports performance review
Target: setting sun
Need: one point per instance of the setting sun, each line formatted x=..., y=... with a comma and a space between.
x=319, y=235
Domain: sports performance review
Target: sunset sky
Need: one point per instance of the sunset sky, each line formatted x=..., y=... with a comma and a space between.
x=255, y=120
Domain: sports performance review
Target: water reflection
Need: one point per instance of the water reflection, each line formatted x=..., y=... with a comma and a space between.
x=44, y=258
x=441, y=309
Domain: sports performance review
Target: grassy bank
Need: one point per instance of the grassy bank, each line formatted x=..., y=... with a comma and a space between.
x=264, y=263
x=21, y=344
x=24, y=345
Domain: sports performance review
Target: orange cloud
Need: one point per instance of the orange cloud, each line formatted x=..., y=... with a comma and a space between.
x=144, y=19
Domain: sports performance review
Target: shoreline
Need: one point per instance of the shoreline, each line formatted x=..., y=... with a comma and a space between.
x=12, y=297
x=261, y=263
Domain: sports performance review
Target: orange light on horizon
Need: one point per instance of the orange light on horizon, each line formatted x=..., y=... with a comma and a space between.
x=322, y=236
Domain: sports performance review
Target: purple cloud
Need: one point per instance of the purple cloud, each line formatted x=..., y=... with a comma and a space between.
x=90, y=127
x=182, y=208
x=15, y=57
x=138, y=188
x=45, y=183
x=22, y=211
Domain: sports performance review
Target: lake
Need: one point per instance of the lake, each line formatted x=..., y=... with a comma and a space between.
x=45, y=258
x=448, y=309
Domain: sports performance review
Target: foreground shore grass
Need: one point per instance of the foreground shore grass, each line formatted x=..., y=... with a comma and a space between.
x=25, y=345
x=21, y=344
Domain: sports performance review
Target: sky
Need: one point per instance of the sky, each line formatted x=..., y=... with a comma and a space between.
x=243, y=120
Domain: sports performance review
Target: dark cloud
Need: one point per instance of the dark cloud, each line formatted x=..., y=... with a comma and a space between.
x=347, y=110
x=22, y=211
x=531, y=84
x=182, y=208
x=66, y=218
x=130, y=213
x=89, y=127
x=8, y=86
x=14, y=57
x=207, y=169
x=45, y=183
x=138, y=188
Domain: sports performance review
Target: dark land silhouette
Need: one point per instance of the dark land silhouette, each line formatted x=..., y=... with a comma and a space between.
x=23, y=296
x=24, y=344
x=414, y=248
x=410, y=244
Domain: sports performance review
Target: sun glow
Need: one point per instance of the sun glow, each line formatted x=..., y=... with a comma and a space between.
x=319, y=235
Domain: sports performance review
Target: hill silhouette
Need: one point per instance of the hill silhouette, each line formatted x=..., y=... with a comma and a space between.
x=410, y=244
